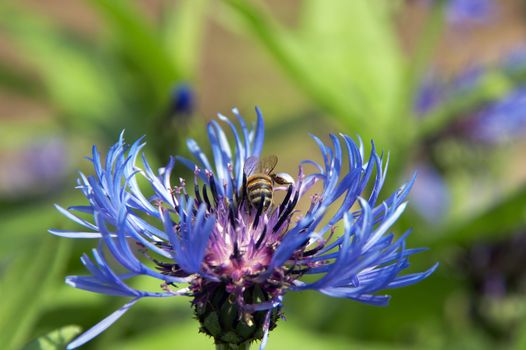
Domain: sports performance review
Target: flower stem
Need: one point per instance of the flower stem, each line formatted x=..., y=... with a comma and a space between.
x=243, y=346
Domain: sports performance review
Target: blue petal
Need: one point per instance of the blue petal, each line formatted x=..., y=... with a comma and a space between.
x=259, y=135
x=266, y=330
x=194, y=148
x=413, y=278
x=76, y=218
x=189, y=246
x=101, y=326
x=75, y=234
x=240, y=154
x=244, y=130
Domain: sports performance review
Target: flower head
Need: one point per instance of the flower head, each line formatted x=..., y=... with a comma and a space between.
x=235, y=255
x=182, y=100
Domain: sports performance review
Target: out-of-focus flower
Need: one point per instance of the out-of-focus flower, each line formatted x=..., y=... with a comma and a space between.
x=236, y=250
x=430, y=196
x=35, y=169
x=500, y=121
x=429, y=95
x=462, y=12
x=489, y=123
x=435, y=90
x=176, y=121
x=465, y=11
x=182, y=100
x=515, y=61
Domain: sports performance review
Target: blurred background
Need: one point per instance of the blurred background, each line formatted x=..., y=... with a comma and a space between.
x=440, y=85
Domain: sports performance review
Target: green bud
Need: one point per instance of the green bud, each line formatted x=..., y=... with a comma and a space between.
x=221, y=317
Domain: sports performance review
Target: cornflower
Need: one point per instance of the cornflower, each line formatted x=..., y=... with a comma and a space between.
x=461, y=12
x=224, y=247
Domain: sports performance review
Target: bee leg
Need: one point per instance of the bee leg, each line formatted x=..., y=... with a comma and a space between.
x=260, y=210
x=243, y=195
x=244, y=188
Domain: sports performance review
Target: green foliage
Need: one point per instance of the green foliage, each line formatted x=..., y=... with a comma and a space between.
x=182, y=33
x=286, y=336
x=344, y=58
x=27, y=283
x=123, y=77
x=81, y=87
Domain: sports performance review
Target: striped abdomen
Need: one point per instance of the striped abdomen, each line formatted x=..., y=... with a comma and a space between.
x=259, y=187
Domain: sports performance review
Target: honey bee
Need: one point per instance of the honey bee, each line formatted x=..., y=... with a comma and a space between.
x=260, y=180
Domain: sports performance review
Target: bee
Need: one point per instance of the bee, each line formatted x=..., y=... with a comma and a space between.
x=259, y=186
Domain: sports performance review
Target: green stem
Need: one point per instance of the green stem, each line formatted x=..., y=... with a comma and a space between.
x=244, y=346
x=425, y=49
x=427, y=44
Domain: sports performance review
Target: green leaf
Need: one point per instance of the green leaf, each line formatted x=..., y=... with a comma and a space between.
x=56, y=340
x=420, y=61
x=344, y=56
x=182, y=33
x=76, y=82
x=28, y=281
x=354, y=43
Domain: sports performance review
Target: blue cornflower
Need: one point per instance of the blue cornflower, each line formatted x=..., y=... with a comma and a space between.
x=435, y=90
x=493, y=122
x=462, y=11
x=39, y=167
x=500, y=121
x=235, y=256
x=431, y=196
x=429, y=94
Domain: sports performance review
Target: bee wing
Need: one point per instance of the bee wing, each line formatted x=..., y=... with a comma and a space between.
x=268, y=164
x=251, y=165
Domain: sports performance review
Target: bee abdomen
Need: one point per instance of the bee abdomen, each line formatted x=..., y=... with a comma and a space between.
x=259, y=187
